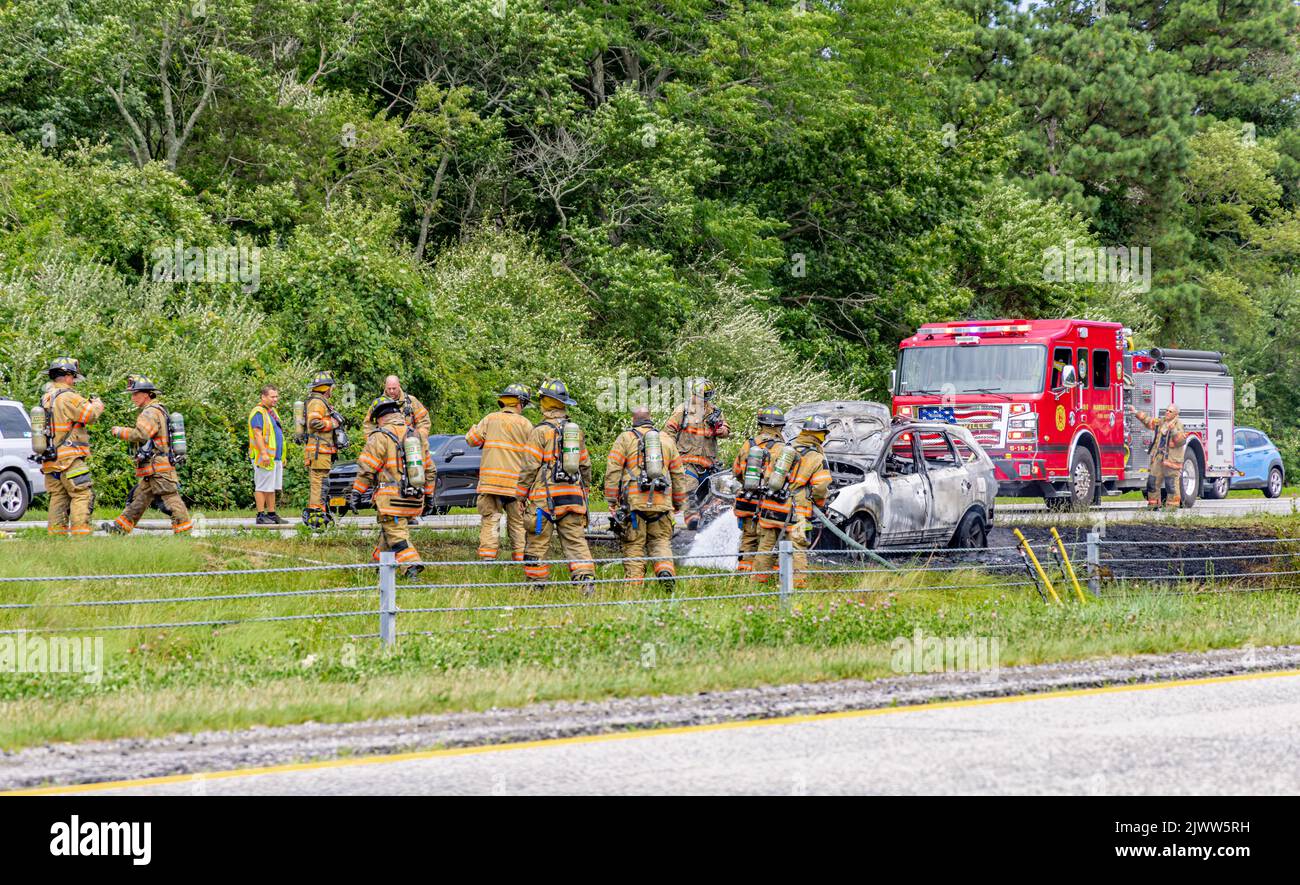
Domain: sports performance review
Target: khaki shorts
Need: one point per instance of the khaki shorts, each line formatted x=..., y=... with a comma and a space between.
x=269, y=480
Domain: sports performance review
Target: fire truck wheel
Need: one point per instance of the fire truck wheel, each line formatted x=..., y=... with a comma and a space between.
x=972, y=533
x=1190, y=479
x=1083, y=480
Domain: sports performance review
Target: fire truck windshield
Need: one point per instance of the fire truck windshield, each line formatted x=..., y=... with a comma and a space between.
x=984, y=368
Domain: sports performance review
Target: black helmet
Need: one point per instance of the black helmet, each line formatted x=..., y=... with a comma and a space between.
x=384, y=406
x=518, y=391
x=140, y=384
x=555, y=389
x=322, y=379
x=65, y=365
x=771, y=416
x=816, y=424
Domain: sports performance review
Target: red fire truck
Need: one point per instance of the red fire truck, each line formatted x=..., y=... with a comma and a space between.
x=1046, y=399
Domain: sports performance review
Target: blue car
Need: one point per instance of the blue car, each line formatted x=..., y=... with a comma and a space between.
x=1258, y=465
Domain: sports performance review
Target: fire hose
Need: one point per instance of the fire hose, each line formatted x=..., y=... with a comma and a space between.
x=849, y=542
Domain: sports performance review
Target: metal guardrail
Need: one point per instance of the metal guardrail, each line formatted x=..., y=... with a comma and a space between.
x=1097, y=567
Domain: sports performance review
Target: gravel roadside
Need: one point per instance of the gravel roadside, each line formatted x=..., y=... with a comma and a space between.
x=217, y=751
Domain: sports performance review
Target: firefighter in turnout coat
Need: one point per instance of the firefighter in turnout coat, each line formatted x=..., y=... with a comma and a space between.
x=503, y=436
x=320, y=447
x=696, y=426
x=151, y=448
x=556, y=498
x=650, y=486
x=400, y=490
x=1167, y=449
x=789, y=511
x=766, y=446
x=67, y=476
x=416, y=414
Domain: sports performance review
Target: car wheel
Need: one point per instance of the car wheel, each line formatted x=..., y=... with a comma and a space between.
x=1190, y=480
x=1274, y=487
x=1216, y=489
x=14, y=497
x=972, y=532
x=862, y=529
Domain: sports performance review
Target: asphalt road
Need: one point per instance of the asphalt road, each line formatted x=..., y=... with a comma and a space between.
x=1236, y=734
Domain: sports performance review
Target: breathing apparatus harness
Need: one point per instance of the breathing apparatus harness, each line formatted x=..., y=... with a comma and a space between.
x=766, y=446
x=148, y=450
x=557, y=472
x=408, y=489
x=51, y=452
x=339, y=435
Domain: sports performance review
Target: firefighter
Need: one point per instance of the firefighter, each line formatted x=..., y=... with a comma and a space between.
x=1167, y=447
x=789, y=510
x=765, y=447
x=67, y=475
x=503, y=436
x=702, y=424
x=155, y=467
x=554, y=476
x=396, y=462
x=416, y=414
x=323, y=428
x=645, y=483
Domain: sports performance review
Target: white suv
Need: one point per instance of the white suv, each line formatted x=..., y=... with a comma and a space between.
x=20, y=479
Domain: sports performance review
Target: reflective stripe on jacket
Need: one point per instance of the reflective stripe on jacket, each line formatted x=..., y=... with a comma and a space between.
x=380, y=465
x=769, y=440
x=623, y=470
x=808, y=484
x=696, y=440
x=504, y=437
x=537, y=480
x=68, y=414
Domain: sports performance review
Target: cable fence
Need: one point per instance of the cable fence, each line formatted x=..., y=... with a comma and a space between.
x=461, y=595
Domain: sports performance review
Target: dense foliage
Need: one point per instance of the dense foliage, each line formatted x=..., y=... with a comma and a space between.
x=467, y=192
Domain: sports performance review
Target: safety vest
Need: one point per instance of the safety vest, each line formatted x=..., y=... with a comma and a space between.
x=270, y=418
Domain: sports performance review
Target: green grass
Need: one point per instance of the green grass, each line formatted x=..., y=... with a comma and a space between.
x=165, y=680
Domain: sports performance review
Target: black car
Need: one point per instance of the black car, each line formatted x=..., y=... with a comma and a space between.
x=457, y=463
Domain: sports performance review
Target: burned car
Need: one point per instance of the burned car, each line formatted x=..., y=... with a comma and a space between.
x=898, y=483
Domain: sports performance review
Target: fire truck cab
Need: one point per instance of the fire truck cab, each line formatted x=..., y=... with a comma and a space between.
x=1047, y=399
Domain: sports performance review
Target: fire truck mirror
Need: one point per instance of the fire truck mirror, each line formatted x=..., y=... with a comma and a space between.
x=1069, y=378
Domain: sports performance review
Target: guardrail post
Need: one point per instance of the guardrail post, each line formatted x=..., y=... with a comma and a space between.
x=388, y=598
x=1094, y=563
x=785, y=569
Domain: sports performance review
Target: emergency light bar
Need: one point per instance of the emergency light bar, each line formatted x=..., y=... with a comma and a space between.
x=976, y=330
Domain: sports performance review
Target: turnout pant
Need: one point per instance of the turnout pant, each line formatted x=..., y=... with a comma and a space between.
x=150, y=488
x=72, y=498
x=491, y=508
x=1168, y=477
x=652, y=536
x=692, y=515
x=766, y=559
x=572, y=529
x=748, y=543
x=317, y=475
x=395, y=535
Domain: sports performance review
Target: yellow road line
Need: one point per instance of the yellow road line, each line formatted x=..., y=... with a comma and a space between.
x=639, y=733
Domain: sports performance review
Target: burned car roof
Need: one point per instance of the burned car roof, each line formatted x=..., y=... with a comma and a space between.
x=856, y=426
